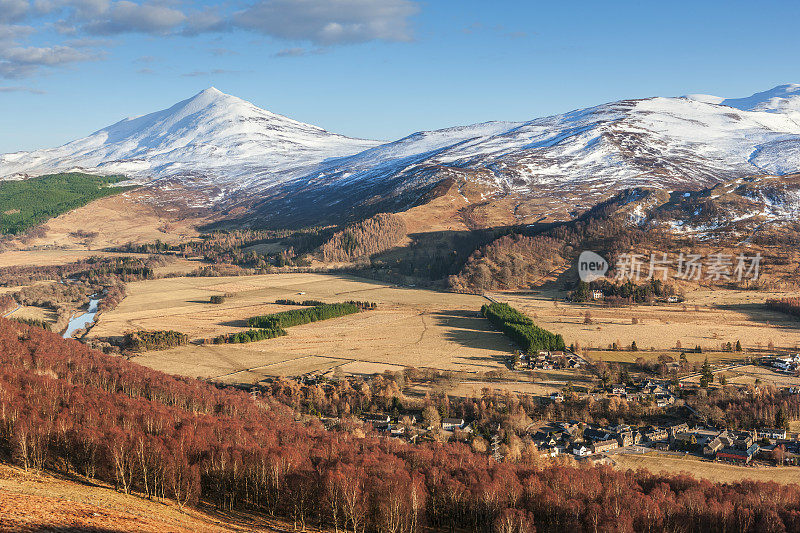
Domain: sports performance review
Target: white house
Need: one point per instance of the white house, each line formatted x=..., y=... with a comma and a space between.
x=581, y=451
x=451, y=424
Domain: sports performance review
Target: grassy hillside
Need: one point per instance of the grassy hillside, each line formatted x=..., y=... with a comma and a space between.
x=25, y=203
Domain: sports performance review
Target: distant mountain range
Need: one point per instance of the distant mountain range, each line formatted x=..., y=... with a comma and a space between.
x=238, y=158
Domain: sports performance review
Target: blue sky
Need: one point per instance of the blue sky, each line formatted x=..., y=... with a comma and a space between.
x=375, y=68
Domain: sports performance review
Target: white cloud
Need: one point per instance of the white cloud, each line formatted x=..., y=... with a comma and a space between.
x=13, y=10
x=329, y=22
x=78, y=22
x=19, y=62
x=21, y=89
x=129, y=17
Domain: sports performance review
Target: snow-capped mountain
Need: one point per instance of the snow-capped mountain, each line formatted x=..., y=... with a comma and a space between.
x=283, y=168
x=580, y=157
x=211, y=134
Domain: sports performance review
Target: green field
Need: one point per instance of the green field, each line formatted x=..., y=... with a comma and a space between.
x=25, y=203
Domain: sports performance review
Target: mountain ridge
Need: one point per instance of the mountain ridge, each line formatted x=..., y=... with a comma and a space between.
x=240, y=157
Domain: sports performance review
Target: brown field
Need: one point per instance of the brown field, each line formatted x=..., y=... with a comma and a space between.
x=62, y=257
x=410, y=327
x=748, y=374
x=723, y=316
x=40, y=502
x=36, y=313
x=113, y=221
x=467, y=389
x=718, y=472
x=626, y=356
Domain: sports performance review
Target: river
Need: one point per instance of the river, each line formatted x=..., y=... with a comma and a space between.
x=81, y=321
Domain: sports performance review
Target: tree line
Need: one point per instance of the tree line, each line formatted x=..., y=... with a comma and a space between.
x=521, y=329
x=69, y=409
x=142, y=340
x=752, y=408
x=296, y=317
x=251, y=335
x=790, y=306
x=627, y=292
x=309, y=303
x=32, y=322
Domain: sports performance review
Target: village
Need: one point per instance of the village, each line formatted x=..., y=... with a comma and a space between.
x=597, y=444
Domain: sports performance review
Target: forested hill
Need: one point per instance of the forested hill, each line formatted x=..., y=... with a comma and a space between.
x=25, y=203
x=64, y=407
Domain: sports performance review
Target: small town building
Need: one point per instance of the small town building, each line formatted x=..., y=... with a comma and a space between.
x=581, y=451
x=596, y=434
x=712, y=447
x=656, y=434
x=375, y=418
x=768, y=433
x=604, y=446
x=737, y=455
x=684, y=441
x=627, y=438
x=677, y=428
x=451, y=424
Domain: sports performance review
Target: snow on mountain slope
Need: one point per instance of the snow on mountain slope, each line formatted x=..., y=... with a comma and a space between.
x=211, y=133
x=283, y=168
x=781, y=99
x=668, y=142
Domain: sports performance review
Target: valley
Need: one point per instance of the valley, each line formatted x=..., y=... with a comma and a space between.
x=464, y=333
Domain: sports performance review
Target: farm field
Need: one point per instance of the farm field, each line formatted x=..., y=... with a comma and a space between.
x=748, y=374
x=52, y=257
x=627, y=356
x=410, y=327
x=467, y=389
x=722, y=316
x=718, y=472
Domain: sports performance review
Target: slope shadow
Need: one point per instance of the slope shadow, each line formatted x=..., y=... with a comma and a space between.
x=236, y=323
x=470, y=331
x=760, y=314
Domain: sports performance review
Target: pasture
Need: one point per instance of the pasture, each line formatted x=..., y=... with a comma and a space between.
x=708, y=318
x=410, y=327
x=703, y=469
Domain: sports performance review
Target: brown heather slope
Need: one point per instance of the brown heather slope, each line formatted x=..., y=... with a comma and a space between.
x=37, y=501
x=110, y=222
